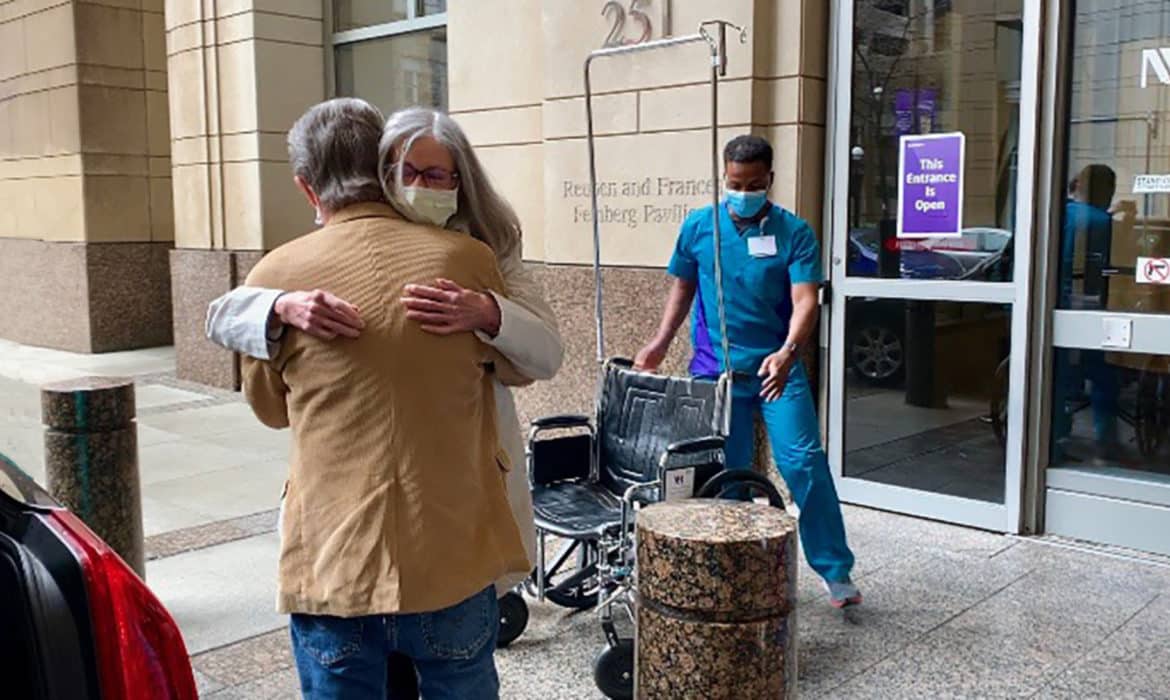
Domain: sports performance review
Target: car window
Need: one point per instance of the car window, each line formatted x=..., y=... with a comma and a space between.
x=17, y=485
x=867, y=238
x=995, y=241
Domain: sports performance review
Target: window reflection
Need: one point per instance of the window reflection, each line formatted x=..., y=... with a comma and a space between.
x=926, y=66
x=397, y=71
x=352, y=14
x=927, y=395
x=1111, y=410
x=1117, y=133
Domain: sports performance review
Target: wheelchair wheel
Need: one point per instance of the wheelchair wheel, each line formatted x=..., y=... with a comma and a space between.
x=613, y=671
x=578, y=588
x=726, y=483
x=513, y=618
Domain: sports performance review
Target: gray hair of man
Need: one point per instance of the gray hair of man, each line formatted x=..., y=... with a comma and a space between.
x=482, y=212
x=333, y=149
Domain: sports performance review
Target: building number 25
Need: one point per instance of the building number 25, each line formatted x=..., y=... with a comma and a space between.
x=618, y=15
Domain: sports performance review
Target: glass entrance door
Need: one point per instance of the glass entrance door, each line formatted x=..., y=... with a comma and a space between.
x=931, y=226
x=1109, y=454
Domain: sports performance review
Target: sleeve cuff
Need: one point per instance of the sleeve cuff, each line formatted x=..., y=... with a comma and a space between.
x=273, y=336
x=506, y=308
x=253, y=327
x=683, y=273
x=809, y=279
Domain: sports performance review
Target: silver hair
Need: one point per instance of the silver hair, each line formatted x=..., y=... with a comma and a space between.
x=333, y=148
x=483, y=213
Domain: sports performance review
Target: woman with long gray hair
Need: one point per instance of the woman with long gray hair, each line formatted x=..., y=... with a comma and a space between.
x=430, y=174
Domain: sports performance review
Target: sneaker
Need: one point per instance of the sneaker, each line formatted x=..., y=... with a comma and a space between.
x=843, y=594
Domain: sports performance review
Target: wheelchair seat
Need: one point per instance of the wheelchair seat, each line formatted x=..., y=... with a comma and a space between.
x=577, y=510
x=579, y=480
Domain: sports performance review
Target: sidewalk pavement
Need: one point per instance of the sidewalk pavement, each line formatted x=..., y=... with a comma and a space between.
x=949, y=611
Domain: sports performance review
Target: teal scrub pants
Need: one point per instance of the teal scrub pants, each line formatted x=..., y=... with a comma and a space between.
x=795, y=438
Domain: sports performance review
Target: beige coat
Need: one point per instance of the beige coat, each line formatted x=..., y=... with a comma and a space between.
x=396, y=498
x=530, y=339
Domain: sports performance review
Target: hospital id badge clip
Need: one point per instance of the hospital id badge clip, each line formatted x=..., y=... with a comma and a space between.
x=762, y=246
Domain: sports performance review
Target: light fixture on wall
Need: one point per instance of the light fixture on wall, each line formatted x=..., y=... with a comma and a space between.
x=856, y=178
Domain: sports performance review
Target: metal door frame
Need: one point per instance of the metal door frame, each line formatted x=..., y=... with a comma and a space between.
x=1006, y=517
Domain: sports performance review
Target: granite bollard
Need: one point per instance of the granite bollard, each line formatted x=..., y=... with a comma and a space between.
x=91, y=458
x=716, y=601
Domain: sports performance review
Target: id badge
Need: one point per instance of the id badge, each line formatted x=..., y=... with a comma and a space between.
x=762, y=246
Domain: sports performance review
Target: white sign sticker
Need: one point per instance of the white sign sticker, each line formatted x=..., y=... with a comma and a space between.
x=1151, y=184
x=680, y=484
x=1152, y=271
x=1117, y=333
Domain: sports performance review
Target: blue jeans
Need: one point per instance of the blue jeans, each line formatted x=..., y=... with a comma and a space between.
x=795, y=438
x=453, y=651
x=1104, y=395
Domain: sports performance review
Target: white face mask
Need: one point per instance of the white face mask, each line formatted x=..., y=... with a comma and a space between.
x=434, y=206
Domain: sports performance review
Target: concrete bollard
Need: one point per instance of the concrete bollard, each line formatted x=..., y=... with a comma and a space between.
x=91, y=459
x=716, y=601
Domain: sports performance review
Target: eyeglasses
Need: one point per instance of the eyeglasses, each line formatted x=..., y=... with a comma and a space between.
x=436, y=178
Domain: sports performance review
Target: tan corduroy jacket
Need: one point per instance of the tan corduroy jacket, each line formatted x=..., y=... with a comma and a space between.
x=396, y=498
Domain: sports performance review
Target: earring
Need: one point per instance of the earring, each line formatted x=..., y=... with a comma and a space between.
x=319, y=219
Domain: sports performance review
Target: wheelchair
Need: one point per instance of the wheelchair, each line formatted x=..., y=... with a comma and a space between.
x=1147, y=390
x=653, y=438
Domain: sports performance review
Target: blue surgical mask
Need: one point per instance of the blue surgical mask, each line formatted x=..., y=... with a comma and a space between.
x=746, y=204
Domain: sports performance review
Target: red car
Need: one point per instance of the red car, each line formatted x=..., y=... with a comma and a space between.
x=76, y=623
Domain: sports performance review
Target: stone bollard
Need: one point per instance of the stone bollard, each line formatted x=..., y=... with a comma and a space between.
x=716, y=601
x=91, y=459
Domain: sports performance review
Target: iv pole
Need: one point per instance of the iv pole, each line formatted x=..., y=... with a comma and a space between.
x=714, y=34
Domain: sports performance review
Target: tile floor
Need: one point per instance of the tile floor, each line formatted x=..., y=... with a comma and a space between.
x=949, y=611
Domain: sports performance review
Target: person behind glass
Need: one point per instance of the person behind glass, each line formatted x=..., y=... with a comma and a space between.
x=771, y=279
x=1088, y=226
x=520, y=325
x=395, y=521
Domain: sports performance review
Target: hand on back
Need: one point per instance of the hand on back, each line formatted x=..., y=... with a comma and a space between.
x=320, y=314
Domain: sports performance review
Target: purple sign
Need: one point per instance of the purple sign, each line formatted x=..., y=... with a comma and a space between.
x=914, y=111
x=930, y=185
x=926, y=100
x=904, y=112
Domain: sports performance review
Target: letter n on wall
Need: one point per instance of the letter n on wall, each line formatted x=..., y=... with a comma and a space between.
x=1159, y=60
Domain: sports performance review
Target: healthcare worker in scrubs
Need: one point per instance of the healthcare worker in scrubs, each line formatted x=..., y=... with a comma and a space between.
x=771, y=275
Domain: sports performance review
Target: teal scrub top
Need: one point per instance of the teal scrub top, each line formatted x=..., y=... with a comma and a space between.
x=757, y=283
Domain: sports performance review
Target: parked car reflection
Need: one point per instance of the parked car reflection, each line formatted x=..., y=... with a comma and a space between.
x=877, y=330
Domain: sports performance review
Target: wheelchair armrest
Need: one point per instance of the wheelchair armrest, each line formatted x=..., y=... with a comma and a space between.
x=567, y=420
x=700, y=472
x=696, y=445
